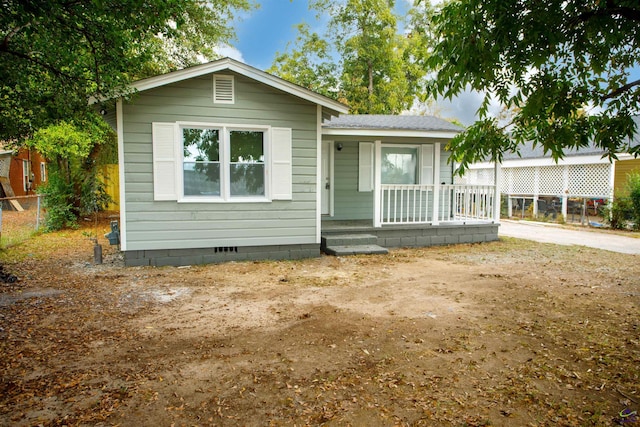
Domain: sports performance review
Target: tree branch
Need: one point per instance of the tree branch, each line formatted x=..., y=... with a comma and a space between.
x=625, y=12
x=620, y=90
x=36, y=61
x=5, y=42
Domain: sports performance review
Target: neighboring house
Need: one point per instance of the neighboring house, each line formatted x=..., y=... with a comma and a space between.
x=21, y=173
x=225, y=162
x=535, y=177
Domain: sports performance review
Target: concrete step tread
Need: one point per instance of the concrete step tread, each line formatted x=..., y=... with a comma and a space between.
x=349, y=236
x=343, y=250
x=349, y=239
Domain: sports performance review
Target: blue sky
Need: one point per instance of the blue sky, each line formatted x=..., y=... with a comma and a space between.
x=267, y=30
x=263, y=32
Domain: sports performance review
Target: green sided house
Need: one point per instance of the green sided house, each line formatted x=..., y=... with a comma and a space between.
x=224, y=162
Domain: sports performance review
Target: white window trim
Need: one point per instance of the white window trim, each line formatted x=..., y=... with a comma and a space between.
x=225, y=197
x=43, y=172
x=419, y=164
x=26, y=173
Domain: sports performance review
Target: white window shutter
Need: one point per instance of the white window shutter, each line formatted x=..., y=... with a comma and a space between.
x=281, y=168
x=365, y=166
x=165, y=161
x=426, y=165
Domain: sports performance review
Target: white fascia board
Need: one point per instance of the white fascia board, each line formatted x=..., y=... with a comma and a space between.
x=626, y=156
x=245, y=70
x=483, y=165
x=388, y=133
x=567, y=161
x=572, y=160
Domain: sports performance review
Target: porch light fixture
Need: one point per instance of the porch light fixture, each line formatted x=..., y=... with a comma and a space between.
x=339, y=146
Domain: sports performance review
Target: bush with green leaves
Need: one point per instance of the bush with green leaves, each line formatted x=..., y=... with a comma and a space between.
x=57, y=203
x=73, y=150
x=625, y=209
x=633, y=194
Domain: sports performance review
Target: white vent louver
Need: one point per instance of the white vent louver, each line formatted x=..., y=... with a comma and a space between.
x=223, y=89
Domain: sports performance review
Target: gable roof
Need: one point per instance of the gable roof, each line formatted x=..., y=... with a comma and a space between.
x=390, y=125
x=228, y=64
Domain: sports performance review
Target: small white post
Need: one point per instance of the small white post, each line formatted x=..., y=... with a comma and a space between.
x=498, y=185
x=377, y=185
x=435, y=219
x=38, y=213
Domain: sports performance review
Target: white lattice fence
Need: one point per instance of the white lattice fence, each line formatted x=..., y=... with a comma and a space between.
x=589, y=180
x=522, y=180
x=551, y=180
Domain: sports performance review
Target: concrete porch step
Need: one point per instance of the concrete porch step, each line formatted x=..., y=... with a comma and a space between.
x=348, y=239
x=351, y=244
x=344, y=250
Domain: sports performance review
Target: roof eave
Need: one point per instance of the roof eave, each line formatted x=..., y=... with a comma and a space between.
x=412, y=133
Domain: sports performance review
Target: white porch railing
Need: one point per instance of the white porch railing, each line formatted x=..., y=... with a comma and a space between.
x=467, y=203
x=406, y=204
x=415, y=204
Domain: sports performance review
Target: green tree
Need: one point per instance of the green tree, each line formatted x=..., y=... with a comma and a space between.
x=563, y=67
x=72, y=149
x=377, y=70
x=55, y=55
x=308, y=64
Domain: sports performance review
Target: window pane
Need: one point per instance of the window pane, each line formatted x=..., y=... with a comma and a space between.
x=246, y=146
x=247, y=179
x=201, y=145
x=201, y=179
x=399, y=165
x=247, y=163
x=201, y=168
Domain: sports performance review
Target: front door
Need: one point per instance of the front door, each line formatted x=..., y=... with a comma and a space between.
x=325, y=192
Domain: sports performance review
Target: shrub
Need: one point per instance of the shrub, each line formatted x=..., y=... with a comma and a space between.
x=626, y=207
x=633, y=194
x=58, y=204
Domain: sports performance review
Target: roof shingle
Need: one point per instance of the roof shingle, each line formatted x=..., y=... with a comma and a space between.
x=379, y=121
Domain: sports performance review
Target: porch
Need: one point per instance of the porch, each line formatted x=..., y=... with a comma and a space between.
x=349, y=235
x=417, y=216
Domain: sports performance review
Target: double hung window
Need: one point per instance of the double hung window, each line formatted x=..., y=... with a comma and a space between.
x=224, y=163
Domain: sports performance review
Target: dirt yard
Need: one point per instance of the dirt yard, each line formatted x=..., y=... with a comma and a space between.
x=511, y=333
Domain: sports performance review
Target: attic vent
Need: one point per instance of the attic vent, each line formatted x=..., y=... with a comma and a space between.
x=223, y=89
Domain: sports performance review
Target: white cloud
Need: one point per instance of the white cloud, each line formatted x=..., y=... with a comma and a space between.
x=229, y=51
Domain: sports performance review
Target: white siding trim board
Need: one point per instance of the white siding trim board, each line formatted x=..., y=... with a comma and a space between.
x=121, y=173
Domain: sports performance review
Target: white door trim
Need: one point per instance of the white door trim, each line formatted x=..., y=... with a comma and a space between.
x=327, y=207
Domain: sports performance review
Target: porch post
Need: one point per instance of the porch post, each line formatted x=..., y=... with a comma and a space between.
x=565, y=193
x=498, y=185
x=377, y=184
x=435, y=219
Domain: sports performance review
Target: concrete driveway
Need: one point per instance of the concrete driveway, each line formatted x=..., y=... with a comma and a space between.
x=554, y=233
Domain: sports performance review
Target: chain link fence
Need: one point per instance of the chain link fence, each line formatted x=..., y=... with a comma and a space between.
x=20, y=218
